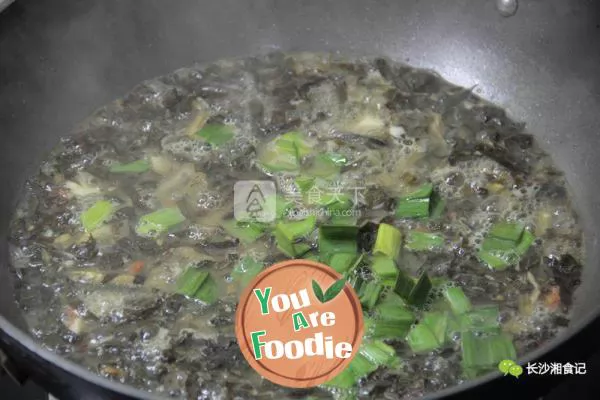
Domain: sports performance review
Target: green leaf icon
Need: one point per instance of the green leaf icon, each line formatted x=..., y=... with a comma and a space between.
x=318, y=291
x=515, y=370
x=334, y=290
x=505, y=365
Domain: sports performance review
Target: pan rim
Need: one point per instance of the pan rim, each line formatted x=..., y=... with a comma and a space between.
x=81, y=372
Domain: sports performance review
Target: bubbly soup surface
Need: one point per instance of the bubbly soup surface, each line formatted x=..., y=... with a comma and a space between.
x=142, y=195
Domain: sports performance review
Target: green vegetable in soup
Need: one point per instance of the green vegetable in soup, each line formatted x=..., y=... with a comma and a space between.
x=159, y=221
x=98, y=213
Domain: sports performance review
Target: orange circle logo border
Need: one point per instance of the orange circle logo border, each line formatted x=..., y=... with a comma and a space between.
x=319, y=376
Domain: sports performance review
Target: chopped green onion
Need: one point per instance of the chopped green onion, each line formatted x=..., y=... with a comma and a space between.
x=482, y=319
x=430, y=333
x=420, y=292
x=492, y=244
x=285, y=152
x=416, y=208
x=286, y=245
x=483, y=353
x=507, y=231
x=393, y=321
x=297, y=141
x=293, y=230
x=190, y=281
x=379, y=353
x=421, y=339
x=423, y=192
x=198, y=284
x=459, y=302
x=341, y=211
x=437, y=322
x=342, y=262
x=437, y=205
x=388, y=241
x=324, y=167
x=417, y=241
x=495, y=261
x=277, y=162
x=391, y=299
x=453, y=329
x=338, y=159
x=361, y=366
x=312, y=256
x=337, y=202
x=277, y=159
x=159, y=221
x=216, y=134
x=338, y=239
x=499, y=250
x=343, y=220
x=133, y=167
x=369, y=294
x=384, y=267
x=302, y=249
x=526, y=241
x=98, y=213
x=357, y=283
x=404, y=285
x=246, y=232
x=416, y=204
x=390, y=329
x=246, y=270
x=305, y=183
x=208, y=292
x=394, y=312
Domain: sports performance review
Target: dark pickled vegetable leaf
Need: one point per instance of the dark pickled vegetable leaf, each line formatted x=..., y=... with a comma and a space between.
x=404, y=285
x=420, y=292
